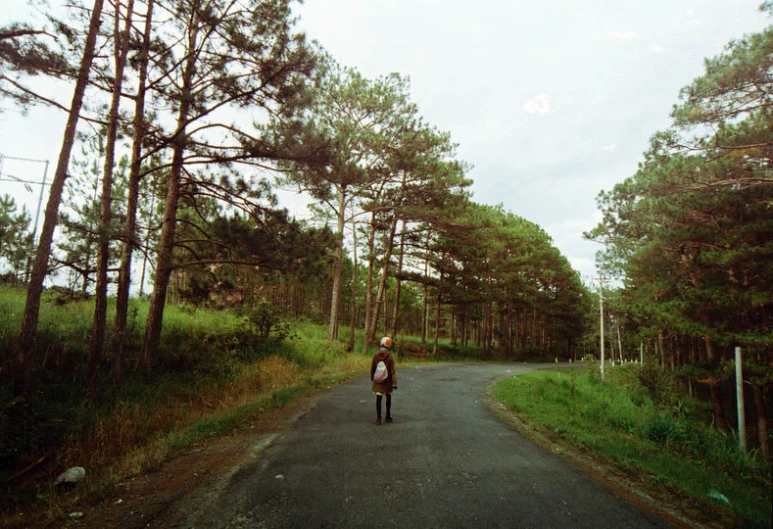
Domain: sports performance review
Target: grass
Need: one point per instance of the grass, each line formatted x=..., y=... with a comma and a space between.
x=211, y=379
x=666, y=446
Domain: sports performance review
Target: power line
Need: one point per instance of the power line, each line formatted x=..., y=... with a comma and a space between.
x=12, y=178
x=22, y=159
x=16, y=179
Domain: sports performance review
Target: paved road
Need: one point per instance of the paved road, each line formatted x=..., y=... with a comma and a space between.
x=447, y=461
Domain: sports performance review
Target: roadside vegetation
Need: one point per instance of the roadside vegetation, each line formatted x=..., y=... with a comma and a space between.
x=216, y=374
x=640, y=421
x=216, y=377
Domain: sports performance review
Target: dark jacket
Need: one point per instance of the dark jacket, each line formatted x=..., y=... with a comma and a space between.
x=386, y=386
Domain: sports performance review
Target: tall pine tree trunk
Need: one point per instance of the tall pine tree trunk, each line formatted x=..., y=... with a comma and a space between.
x=710, y=358
x=132, y=200
x=121, y=45
x=39, y=271
x=166, y=242
x=425, y=300
x=332, y=333
x=369, y=281
x=717, y=409
x=396, y=308
x=662, y=352
x=437, y=315
x=762, y=420
x=353, y=301
x=380, y=297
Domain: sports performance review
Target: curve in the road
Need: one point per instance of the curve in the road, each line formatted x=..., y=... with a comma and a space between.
x=446, y=461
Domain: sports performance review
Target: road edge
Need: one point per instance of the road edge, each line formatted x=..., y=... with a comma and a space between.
x=620, y=483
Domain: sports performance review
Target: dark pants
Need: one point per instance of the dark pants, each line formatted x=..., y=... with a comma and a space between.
x=388, y=405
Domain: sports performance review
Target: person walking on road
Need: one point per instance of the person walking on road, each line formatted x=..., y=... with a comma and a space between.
x=384, y=377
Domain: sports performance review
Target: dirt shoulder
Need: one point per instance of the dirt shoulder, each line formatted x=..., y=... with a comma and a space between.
x=157, y=498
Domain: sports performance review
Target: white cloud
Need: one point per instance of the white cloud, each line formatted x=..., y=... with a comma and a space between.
x=690, y=12
x=696, y=22
x=623, y=35
x=539, y=105
x=657, y=49
x=610, y=148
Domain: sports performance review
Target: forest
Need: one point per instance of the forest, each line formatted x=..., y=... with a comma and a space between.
x=188, y=187
x=188, y=118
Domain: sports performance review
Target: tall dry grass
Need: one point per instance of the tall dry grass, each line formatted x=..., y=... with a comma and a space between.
x=209, y=382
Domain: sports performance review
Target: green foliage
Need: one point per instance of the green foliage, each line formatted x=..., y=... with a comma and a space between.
x=593, y=369
x=659, y=385
x=663, y=428
x=620, y=422
x=207, y=361
x=16, y=242
x=80, y=219
x=266, y=326
x=690, y=231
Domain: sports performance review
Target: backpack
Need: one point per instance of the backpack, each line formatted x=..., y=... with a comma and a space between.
x=381, y=373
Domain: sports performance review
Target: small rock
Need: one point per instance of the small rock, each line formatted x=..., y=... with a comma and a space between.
x=715, y=494
x=73, y=475
x=279, y=476
x=76, y=515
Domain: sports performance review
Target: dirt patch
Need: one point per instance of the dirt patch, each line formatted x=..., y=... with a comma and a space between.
x=179, y=487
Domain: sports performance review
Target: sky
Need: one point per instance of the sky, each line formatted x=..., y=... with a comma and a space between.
x=550, y=102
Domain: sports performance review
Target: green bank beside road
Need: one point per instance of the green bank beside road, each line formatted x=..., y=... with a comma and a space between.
x=670, y=446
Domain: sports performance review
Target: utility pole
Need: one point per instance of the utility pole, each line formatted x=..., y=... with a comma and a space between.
x=10, y=178
x=601, y=321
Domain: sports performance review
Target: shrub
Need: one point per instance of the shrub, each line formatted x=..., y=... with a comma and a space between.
x=663, y=429
x=266, y=326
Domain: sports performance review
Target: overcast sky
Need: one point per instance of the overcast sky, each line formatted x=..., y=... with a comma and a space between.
x=550, y=101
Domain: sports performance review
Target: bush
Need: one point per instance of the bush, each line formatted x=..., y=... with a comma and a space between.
x=266, y=327
x=664, y=429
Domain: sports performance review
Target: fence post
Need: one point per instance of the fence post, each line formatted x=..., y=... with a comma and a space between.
x=739, y=399
x=641, y=352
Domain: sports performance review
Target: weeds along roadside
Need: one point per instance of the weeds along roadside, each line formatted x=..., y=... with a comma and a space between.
x=211, y=379
x=669, y=444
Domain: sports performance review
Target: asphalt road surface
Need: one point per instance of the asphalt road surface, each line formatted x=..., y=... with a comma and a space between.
x=446, y=461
